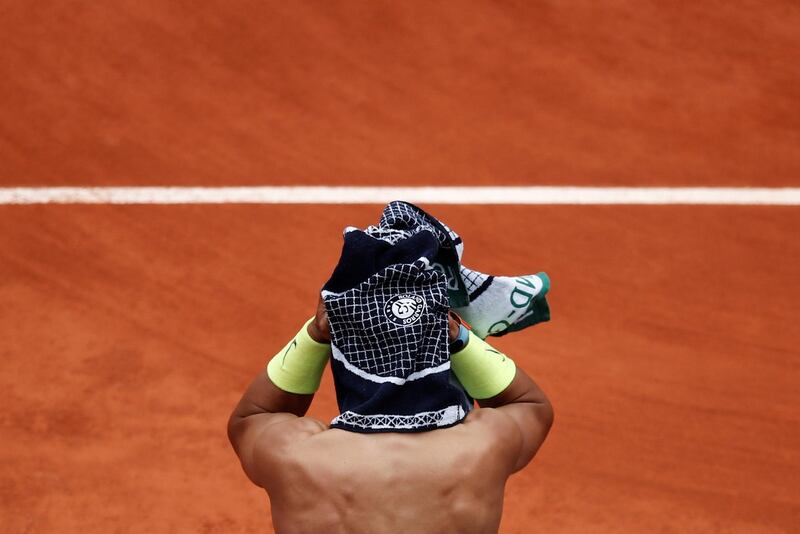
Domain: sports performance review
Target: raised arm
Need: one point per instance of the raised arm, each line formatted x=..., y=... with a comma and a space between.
x=526, y=405
x=492, y=378
x=271, y=413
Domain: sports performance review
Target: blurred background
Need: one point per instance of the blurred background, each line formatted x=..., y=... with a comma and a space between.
x=129, y=332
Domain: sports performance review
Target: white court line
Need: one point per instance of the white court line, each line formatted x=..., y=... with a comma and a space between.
x=788, y=196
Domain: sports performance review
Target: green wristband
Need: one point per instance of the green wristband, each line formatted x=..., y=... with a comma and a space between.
x=482, y=370
x=298, y=367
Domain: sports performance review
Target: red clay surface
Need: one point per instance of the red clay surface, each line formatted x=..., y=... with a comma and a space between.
x=129, y=332
x=143, y=91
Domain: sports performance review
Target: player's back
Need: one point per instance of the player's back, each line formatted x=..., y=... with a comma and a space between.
x=448, y=480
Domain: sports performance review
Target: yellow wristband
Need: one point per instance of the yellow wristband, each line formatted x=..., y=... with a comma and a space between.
x=483, y=371
x=298, y=367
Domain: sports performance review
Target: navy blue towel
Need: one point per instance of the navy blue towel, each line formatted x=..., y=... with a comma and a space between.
x=401, y=220
x=387, y=302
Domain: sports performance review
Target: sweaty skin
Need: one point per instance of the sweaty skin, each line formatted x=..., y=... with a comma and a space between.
x=334, y=481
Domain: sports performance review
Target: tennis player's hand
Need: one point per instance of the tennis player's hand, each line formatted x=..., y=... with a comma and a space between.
x=319, y=329
x=453, y=324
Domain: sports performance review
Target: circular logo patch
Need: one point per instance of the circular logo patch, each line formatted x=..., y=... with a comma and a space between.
x=404, y=309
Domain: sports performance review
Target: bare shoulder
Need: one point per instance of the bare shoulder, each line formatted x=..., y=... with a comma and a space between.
x=286, y=433
x=269, y=439
x=495, y=431
x=492, y=422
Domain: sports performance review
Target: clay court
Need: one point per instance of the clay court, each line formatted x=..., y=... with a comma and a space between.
x=130, y=331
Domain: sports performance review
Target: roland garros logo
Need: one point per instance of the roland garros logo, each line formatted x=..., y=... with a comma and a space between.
x=405, y=309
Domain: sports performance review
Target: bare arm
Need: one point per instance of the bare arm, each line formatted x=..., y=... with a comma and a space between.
x=266, y=419
x=525, y=408
x=529, y=411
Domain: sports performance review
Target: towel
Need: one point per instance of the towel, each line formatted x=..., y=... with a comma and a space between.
x=401, y=220
x=387, y=302
x=499, y=305
x=492, y=305
x=387, y=308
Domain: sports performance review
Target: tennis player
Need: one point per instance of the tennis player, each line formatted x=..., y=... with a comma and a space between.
x=330, y=480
